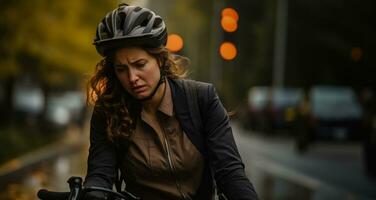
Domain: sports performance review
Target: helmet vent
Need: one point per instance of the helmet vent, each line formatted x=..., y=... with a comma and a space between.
x=137, y=9
x=120, y=21
x=145, y=22
x=157, y=22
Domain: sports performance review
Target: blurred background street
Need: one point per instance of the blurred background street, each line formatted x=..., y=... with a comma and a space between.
x=327, y=171
x=299, y=76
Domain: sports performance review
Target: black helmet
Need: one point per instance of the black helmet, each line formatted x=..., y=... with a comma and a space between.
x=130, y=25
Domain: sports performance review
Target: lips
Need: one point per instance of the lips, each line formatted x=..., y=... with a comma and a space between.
x=139, y=89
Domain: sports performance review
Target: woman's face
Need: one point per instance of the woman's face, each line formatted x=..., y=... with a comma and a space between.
x=137, y=71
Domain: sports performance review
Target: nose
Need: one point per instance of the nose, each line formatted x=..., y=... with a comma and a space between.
x=133, y=77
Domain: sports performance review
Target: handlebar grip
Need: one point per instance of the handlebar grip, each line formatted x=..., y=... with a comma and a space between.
x=48, y=195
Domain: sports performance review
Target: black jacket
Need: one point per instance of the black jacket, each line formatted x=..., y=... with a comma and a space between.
x=214, y=140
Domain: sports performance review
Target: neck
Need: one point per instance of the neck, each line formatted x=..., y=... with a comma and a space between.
x=151, y=105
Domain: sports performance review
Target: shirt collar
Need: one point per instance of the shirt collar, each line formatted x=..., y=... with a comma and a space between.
x=166, y=105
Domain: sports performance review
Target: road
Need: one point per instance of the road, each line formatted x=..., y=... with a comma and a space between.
x=327, y=171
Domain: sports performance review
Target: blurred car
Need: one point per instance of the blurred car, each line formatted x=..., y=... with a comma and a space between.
x=28, y=99
x=28, y=102
x=257, y=102
x=270, y=109
x=283, y=107
x=66, y=108
x=334, y=114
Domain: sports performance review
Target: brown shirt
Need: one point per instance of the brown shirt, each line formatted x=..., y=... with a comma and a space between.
x=161, y=162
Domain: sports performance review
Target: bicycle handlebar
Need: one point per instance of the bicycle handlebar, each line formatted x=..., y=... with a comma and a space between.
x=77, y=192
x=45, y=194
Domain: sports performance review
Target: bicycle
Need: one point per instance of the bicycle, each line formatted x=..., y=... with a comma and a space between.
x=78, y=192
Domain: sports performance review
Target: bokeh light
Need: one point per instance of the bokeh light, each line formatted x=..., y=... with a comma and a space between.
x=174, y=42
x=356, y=54
x=229, y=24
x=230, y=12
x=228, y=51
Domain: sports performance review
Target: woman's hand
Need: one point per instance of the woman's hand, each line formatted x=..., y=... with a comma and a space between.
x=95, y=195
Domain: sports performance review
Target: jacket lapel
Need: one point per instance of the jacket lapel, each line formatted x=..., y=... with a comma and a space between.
x=183, y=114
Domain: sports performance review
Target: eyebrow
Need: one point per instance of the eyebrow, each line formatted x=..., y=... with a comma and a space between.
x=121, y=65
x=133, y=62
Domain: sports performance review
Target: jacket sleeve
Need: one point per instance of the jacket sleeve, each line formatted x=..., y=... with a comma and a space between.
x=226, y=164
x=101, y=163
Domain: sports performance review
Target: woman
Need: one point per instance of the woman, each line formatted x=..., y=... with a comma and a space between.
x=142, y=123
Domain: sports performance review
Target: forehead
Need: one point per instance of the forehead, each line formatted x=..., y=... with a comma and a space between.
x=130, y=54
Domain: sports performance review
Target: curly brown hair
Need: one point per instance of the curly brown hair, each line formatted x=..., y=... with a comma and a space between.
x=105, y=92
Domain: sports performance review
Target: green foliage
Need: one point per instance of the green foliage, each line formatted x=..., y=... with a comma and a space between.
x=50, y=39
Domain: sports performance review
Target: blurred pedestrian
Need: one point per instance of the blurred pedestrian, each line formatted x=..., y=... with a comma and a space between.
x=368, y=101
x=169, y=137
x=303, y=135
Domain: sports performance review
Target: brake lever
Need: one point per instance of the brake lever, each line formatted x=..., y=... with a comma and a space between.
x=75, y=186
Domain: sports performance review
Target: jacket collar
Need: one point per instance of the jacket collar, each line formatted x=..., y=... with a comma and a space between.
x=184, y=115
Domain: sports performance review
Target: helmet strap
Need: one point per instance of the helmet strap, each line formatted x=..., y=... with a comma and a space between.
x=161, y=80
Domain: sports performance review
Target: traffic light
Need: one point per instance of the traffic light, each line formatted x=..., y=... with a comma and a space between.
x=229, y=24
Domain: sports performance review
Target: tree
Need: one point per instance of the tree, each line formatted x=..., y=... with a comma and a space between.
x=50, y=41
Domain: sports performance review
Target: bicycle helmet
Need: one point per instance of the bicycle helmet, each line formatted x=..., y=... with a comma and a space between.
x=129, y=26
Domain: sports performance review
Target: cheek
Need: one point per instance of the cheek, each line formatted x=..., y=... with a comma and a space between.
x=154, y=72
x=123, y=79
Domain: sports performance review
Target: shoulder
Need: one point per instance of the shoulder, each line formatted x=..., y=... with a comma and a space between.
x=189, y=84
x=190, y=89
x=98, y=113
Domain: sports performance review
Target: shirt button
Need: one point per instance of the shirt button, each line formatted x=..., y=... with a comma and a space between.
x=170, y=130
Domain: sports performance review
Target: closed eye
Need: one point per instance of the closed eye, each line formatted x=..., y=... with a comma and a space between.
x=140, y=64
x=120, y=69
